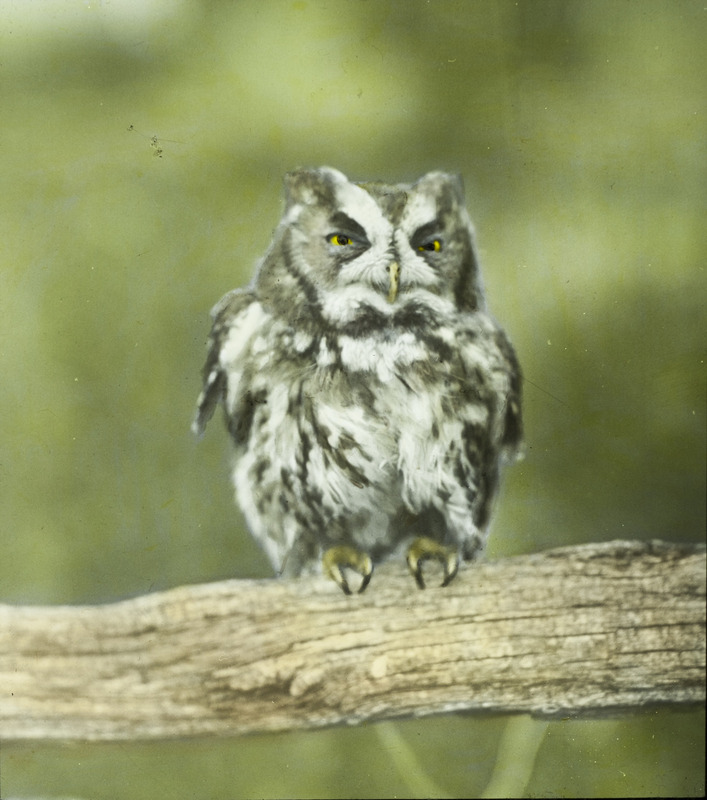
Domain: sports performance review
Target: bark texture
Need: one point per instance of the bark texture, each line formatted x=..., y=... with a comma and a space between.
x=581, y=630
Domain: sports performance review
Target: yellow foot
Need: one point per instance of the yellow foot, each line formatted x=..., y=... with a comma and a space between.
x=424, y=548
x=335, y=559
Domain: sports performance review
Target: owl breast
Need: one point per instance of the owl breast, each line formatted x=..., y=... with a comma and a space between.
x=353, y=439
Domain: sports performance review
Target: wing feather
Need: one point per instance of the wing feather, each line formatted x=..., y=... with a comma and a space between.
x=230, y=314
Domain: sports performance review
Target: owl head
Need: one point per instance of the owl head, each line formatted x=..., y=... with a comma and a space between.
x=346, y=251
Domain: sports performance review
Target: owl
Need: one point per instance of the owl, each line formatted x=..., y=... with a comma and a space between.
x=370, y=397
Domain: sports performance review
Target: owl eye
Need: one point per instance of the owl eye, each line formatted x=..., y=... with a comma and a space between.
x=340, y=240
x=430, y=246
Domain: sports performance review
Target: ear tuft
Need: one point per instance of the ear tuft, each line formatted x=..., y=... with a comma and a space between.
x=307, y=186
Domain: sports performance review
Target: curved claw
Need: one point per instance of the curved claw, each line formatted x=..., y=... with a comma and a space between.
x=422, y=549
x=336, y=558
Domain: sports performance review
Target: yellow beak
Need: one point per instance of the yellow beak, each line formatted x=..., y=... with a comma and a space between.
x=394, y=270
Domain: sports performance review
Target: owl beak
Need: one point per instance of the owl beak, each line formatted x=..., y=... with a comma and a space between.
x=394, y=270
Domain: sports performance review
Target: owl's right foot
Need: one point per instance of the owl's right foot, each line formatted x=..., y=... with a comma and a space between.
x=336, y=559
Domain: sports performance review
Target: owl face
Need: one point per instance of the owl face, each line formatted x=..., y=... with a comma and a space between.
x=358, y=247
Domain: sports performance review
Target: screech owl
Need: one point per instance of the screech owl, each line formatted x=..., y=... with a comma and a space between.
x=370, y=397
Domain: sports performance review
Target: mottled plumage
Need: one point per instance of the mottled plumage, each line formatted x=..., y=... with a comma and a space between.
x=370, y=397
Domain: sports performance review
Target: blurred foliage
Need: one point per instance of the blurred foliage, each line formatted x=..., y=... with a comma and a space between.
x=142, y=152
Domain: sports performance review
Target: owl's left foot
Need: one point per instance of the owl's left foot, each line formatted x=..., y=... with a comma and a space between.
x=424, y=548
x=336, y=559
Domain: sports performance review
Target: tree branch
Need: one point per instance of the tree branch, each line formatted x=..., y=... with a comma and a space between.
x=587, y=629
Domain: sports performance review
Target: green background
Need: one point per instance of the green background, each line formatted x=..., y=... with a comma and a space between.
x=142, y=152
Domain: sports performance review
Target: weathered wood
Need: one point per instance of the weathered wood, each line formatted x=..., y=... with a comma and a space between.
x=577, y=630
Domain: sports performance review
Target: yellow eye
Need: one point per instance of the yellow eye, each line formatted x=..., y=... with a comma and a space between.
x=433, y=246
x=340, y=240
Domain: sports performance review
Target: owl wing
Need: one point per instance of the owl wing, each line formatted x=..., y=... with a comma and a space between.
x=230, y=314
x=512, y=438
x=491, y=366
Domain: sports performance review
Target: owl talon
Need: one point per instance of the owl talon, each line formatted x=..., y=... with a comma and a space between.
x=336, y=558
x=424, y=548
